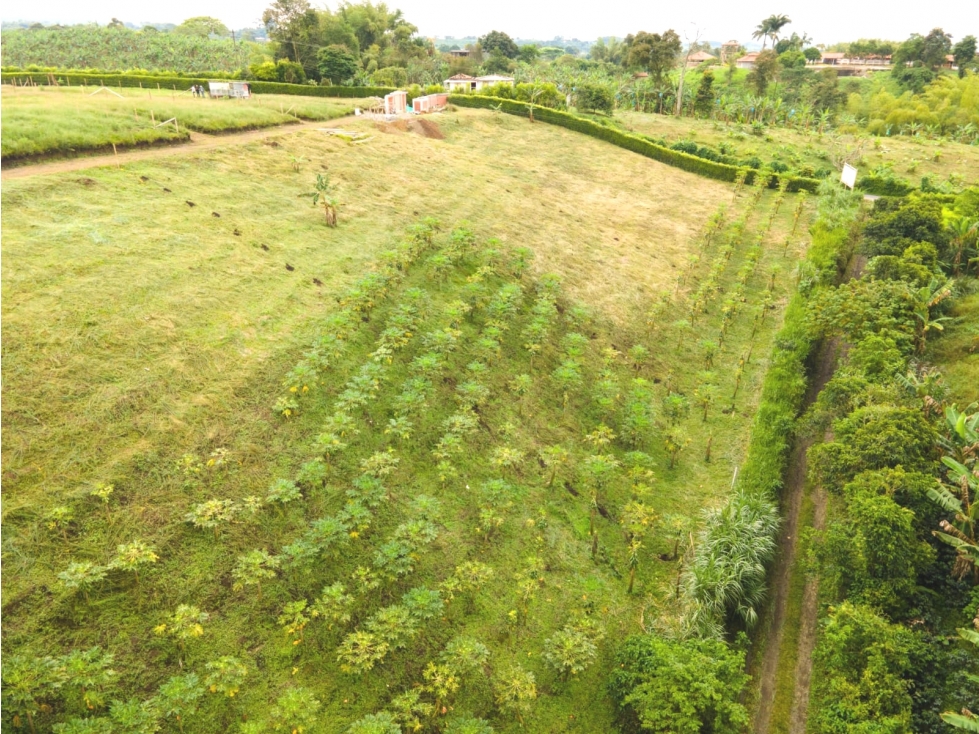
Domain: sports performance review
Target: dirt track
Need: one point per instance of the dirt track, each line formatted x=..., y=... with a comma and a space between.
x=795, y=491
x=198, y=142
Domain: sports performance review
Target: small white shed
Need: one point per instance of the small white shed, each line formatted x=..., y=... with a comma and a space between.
x=237, y=90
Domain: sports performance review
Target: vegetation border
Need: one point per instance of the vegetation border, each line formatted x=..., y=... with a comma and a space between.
x=642, y=146
x=183, y=83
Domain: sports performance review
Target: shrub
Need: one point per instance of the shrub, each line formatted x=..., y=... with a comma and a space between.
x=868, y=671
x=680, y=686
x=594, y=97
x=390, y=76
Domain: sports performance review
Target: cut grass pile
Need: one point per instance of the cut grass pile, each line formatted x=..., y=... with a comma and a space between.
x=42, y=121
x=143, y=335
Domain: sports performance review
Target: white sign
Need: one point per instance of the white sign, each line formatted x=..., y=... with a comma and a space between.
x=849, y=176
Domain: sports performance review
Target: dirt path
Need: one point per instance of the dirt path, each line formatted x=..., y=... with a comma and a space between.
x=198, y=142
x=795, y=491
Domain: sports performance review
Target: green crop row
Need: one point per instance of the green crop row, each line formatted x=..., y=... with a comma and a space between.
x=721, y=584
x=182, y=83
x=642, y=146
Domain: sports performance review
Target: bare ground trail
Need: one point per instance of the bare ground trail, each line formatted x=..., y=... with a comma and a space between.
x=198, y=142
x=785, y=563
x=795, y=491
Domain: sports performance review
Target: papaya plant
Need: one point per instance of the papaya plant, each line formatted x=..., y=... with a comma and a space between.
x=133, y=556
x=179, y=697
x=185, y=623
x=226, y=675
x=82, y=575
x=252, y=568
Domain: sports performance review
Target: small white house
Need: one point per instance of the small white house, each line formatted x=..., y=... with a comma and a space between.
x=466, y=83
x=236, y=90
x=459, y=83
x=491, y=79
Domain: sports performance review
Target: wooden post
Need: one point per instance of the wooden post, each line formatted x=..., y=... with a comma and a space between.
x=152, y=118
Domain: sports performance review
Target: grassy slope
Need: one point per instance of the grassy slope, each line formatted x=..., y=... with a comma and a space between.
x=910, y=158
x=139, y=329
x=956, y=353
x=51, y=120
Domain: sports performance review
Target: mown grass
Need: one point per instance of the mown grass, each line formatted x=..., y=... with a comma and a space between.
x=139, y=329
x=908, y=158
x=40, y=121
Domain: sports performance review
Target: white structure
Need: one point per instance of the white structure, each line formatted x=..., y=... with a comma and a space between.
x=466, y=83
x=396, y=103
x=429, y=103
x=459, y=83
x=237, y=90
x=487, y=81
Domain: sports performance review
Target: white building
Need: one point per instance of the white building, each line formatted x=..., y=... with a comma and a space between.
x=466, y=83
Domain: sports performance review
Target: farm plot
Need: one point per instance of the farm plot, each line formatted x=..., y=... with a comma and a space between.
x=456, y=483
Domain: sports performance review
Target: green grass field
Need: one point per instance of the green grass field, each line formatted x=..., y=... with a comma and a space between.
x=143, y=335
x=906, y=157
x=40, y=121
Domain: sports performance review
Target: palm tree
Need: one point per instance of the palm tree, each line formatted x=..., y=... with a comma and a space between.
x=777, y=23
x=769, y=28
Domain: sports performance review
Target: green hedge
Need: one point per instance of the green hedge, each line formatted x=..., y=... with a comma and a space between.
x=675, y=158
x=884, y=185
x=182, y=83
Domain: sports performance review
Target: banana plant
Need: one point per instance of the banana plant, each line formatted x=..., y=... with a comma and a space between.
x=959, y=498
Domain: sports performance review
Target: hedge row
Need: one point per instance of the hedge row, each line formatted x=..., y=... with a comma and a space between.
x=182, y=83
x=785, y=384
x=675, y=158
x=884, y=185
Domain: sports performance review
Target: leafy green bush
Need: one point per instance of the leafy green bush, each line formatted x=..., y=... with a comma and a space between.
x=594, y=97
x=867, y=661
x=680, y=686
x=884, y=185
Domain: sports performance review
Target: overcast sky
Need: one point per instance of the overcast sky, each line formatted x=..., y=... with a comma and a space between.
x=826, y=21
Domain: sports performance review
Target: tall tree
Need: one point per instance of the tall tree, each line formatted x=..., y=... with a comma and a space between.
x=337, y=63
x=964, y=53
x=653, y=52
x=202, y=26
x=765, y=71
x=499, y=42
x=770, y=28
x=294, y=25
